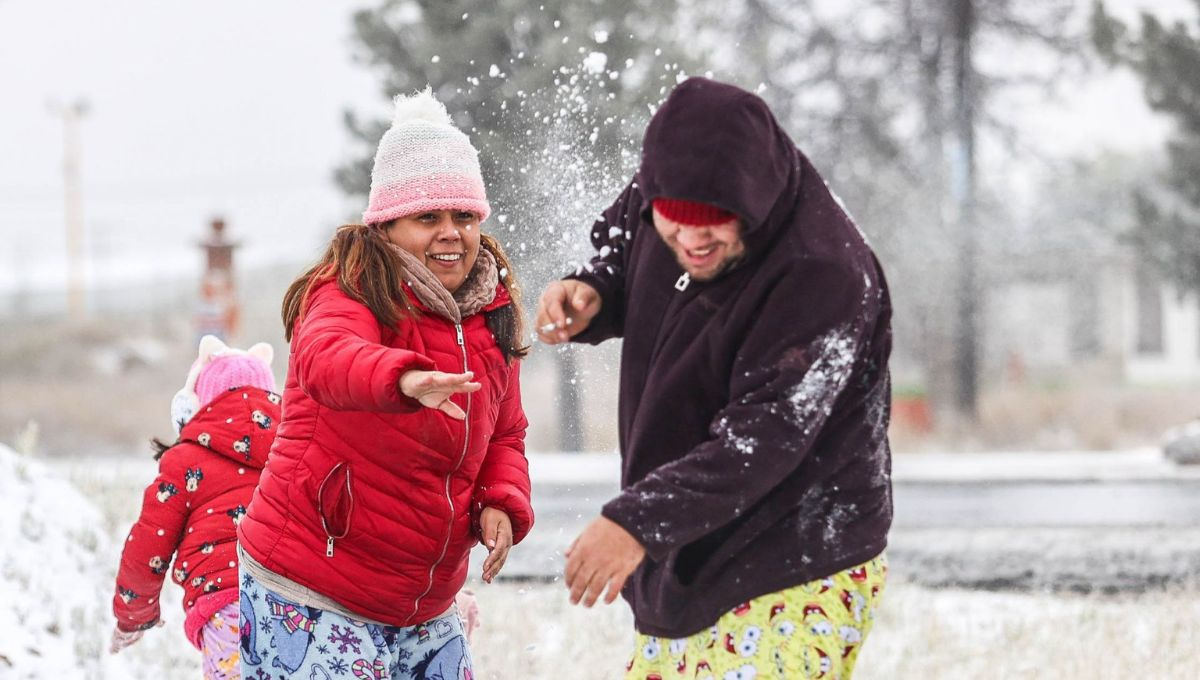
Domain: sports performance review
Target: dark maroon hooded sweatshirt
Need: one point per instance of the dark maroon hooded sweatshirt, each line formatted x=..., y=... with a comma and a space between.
x=754, y=407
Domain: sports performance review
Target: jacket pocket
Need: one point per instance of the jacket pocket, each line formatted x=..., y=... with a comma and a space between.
x=335, y=504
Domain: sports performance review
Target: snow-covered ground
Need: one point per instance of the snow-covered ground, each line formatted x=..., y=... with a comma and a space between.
x=56, y=581
x=63, y=523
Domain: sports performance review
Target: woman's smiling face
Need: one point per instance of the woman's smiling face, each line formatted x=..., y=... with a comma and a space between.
x=446, y=241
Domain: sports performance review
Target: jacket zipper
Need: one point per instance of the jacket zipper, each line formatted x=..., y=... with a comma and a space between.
x=330, y=538
x=450, y=498
x=680, y=297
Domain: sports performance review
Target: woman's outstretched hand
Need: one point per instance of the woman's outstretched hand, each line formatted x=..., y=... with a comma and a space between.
x=497, y=538
x=433, y=389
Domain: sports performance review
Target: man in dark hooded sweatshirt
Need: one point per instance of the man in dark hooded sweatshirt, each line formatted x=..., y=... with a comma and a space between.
x=756, y=497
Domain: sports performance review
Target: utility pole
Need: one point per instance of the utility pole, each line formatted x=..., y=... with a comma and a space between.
x=72, y=114
x=962, y=176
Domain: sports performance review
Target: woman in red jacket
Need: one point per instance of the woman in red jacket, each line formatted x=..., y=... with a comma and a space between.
x=402, y=440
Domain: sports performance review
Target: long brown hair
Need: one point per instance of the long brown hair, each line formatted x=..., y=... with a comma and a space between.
x=507, y=323
x=368, y=271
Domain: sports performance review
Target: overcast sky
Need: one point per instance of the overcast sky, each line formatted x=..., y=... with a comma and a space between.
x=234, y=108
x=197, y=109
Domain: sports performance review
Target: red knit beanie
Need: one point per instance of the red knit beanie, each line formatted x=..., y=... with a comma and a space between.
x=692, y=213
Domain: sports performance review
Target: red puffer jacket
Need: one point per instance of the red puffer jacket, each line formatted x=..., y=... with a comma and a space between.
x=193, y=507
x=370, y=498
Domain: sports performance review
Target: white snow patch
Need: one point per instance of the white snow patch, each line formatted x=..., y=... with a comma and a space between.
x=825, y=378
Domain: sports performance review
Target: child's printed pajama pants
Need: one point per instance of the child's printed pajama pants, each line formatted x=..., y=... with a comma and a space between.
x=219, y=645
x=282, y=639
x=814, y=630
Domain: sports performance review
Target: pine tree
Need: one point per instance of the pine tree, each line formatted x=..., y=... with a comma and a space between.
x=555, y=96
x=1167, y=58
x=888, y=98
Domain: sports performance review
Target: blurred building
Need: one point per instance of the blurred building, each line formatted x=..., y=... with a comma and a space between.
x=217, y=310
x=1115, y=319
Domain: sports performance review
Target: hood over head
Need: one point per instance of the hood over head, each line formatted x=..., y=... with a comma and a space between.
x=719, y=144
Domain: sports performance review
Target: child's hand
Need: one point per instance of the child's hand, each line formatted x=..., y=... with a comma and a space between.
x=468, y=610
x=122, y=639
x=497, y=538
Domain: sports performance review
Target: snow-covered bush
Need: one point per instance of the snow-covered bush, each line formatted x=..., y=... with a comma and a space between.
x=54, y=615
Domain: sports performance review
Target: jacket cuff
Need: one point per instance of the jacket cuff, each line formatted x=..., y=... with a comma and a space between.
x=397, y=401
x=511, y=501
x=656, y=551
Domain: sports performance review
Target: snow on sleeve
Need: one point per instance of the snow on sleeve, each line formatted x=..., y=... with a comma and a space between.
x=824, y=380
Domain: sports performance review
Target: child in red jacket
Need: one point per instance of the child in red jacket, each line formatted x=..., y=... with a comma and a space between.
x=225, y=417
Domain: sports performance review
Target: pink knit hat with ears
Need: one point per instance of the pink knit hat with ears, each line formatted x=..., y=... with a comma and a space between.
x=424, y=163
x=216, y=370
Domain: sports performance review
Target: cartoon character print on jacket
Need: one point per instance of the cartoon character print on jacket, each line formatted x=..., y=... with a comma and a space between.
x=165, y=491
x=261, y=419
x=237, y=514
x=193, y=477
x=242, y=446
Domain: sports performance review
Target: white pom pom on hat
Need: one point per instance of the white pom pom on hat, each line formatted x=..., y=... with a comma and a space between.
x=421, y=105
x=424, y=163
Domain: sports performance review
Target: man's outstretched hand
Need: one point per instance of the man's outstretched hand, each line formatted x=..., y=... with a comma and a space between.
x=565, y=310
x=604, y=555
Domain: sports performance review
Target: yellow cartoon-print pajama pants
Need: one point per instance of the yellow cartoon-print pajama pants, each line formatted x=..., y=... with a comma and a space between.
x=812, y=630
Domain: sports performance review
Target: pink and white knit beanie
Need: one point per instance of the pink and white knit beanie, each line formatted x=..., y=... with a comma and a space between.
x=424, y=163
x=217, y=369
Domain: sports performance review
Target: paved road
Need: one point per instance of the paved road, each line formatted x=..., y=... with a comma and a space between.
x=1084, y=536
x=926, y=505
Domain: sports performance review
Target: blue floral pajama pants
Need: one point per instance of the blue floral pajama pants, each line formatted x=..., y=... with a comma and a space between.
x=281, y=640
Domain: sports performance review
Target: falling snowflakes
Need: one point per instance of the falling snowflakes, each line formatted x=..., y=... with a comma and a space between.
x=595, y=62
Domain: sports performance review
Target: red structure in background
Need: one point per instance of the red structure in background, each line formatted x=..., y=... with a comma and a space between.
x=218, y=311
